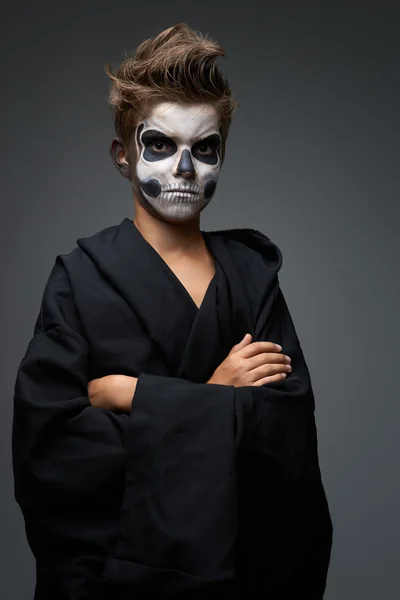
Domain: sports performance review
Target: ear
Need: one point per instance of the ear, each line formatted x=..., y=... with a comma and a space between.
x=119, y=158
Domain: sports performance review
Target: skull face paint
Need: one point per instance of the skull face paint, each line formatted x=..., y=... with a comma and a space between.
x=178, y=159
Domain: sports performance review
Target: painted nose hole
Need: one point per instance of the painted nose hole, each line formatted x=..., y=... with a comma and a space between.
x=185, y=165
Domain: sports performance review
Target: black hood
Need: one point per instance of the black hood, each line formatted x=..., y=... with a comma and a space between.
x=255, y=241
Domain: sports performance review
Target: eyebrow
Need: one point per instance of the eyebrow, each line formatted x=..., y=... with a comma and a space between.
x=213, y=137
x=153, y=134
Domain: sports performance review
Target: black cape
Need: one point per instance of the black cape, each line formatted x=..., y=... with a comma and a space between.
x=201, y=488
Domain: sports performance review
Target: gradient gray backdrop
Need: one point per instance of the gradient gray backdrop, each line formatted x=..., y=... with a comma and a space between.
x=312, y=161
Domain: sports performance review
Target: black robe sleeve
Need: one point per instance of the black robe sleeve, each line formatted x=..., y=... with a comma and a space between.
x=285, y=532
x=68, y=456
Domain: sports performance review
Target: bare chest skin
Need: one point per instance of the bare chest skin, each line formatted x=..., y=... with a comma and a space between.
x=194, y=274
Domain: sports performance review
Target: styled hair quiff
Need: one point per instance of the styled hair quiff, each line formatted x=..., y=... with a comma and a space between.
x=178, y=65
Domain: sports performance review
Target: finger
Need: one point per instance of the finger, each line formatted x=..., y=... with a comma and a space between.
x=259, y=347
x=245, y=341
x=271, y=379
x=268, y=370
x=266, y=358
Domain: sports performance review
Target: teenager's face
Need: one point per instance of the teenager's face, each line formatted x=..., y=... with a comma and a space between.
x=175, y=159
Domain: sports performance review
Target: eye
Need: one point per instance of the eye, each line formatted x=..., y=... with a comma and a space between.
x=205, y=148
x=159, y=146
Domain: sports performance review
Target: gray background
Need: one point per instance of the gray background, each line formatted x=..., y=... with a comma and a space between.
x=312, y=161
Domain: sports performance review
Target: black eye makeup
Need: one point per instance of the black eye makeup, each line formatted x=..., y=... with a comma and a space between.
x=157, y=145
x=207, y=150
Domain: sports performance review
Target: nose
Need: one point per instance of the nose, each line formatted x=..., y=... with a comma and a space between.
x=185, y=166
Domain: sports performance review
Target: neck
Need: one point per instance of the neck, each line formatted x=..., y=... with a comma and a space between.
x=171, y=239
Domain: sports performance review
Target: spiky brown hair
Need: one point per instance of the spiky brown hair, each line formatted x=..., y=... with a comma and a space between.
x=178, y=65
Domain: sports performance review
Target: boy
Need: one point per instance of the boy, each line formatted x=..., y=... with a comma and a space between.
x=163, y=443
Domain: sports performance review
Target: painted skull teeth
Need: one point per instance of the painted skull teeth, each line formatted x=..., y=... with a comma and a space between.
x=174, y=196
x=182, y=188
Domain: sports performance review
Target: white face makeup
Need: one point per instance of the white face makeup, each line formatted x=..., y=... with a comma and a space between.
x=178, y=149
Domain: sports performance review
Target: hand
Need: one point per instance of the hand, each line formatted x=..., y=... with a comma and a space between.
x=251, y=363
x=113, y=392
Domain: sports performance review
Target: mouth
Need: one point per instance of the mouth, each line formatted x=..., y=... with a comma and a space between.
x=193, y=190
x=180, y=196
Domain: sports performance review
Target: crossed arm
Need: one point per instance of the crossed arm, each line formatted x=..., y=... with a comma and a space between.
x=247, y=364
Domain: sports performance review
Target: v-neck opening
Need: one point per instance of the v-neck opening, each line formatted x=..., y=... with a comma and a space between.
x=197, y=308
x=171, y=273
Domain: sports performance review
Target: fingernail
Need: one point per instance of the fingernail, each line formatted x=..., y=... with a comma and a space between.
x=278, y=346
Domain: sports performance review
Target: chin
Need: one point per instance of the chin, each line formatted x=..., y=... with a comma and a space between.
x=179, y=211
x=177, y=215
